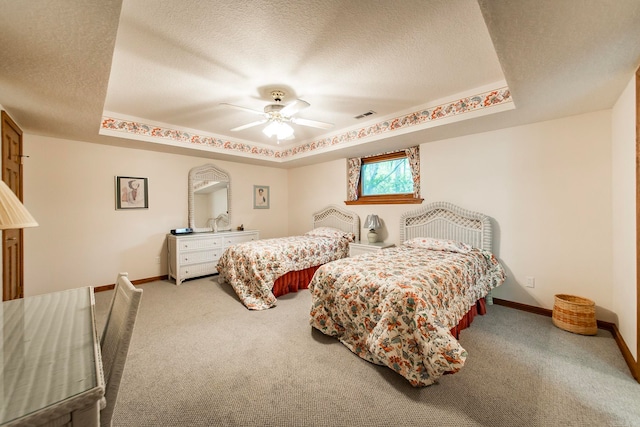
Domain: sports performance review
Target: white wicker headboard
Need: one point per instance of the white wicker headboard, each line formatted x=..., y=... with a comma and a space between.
x=444, y=220
x=336, y=217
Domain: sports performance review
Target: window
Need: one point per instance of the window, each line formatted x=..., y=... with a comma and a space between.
x=386, y=175
x=385, y=178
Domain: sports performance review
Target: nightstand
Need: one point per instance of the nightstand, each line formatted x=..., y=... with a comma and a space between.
x=364, y=247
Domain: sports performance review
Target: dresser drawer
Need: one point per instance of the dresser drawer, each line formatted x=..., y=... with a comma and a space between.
x=233, y=240
x=197, y=270
x=197, y=244
x=200, y=256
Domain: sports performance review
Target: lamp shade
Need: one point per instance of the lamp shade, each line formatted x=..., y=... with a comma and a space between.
x=13, y=214
x=372, y=222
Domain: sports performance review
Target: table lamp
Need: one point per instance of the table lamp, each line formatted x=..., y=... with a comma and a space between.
x=13, y=214
x=372, y=223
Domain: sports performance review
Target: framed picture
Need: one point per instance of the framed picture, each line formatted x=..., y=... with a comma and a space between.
x=260, y=197
x=132, y=192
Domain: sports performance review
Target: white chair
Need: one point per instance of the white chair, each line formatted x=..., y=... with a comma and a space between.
x=115, y=340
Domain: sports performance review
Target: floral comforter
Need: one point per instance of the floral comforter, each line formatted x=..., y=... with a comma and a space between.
x=252, y=267
x=395, y=307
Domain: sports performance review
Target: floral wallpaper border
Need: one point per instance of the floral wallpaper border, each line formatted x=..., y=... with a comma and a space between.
x=464, y=105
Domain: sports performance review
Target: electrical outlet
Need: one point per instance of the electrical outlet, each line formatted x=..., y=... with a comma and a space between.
x=157, y=260
x=531, y=282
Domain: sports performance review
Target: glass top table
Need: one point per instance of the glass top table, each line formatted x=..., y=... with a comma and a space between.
x=50, y=358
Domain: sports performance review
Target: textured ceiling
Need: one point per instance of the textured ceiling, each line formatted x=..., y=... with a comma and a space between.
x=162, y=68
x=175, y=64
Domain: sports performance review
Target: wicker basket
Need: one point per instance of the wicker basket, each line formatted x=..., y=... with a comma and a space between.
x=575, y=314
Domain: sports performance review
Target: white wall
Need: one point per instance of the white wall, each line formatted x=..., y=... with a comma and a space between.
x=312, y=188
x=547, y=186
x=624, y=215
x=83, y=241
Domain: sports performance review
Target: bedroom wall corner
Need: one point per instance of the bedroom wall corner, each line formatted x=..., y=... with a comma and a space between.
x=624, y=288
x=313, y=187
x=547, y=186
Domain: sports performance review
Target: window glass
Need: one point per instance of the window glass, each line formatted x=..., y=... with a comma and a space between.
x=387, y=177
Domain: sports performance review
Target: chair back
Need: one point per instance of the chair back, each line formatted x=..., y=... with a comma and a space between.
x=115, y=339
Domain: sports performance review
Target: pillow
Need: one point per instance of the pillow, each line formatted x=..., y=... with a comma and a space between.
x=330, y=232
x=438, y=244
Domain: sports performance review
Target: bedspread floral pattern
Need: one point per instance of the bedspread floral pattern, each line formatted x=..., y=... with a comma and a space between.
x=252, y=267
x=395, y=307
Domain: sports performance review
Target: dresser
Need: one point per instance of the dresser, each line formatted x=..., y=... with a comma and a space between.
x=364, y=247
x=195, y=255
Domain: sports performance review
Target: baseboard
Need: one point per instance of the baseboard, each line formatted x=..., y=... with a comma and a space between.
x=611, y=327
x=626, y=353
x=135, y=282
x=522, y=307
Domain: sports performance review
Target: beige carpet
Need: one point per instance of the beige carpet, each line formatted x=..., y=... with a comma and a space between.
x=200, y=358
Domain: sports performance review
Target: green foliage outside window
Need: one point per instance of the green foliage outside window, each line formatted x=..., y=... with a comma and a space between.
x=387, y=177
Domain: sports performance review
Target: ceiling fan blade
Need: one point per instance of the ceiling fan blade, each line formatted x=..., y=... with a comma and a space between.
x=294, y=107
x=311, y=123
x=237, y=107
x=249, y=125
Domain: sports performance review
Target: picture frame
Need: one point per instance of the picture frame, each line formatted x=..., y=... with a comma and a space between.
x=261, y=197
x=132, y=192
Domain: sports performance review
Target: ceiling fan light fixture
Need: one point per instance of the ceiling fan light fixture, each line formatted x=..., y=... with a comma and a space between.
x=280, y=129
x=277, y=116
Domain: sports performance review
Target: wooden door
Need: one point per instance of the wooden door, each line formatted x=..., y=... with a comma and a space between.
x=636, y=374
x=12, y=255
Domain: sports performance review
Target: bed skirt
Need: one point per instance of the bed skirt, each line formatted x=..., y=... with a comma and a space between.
x=293, y=281
x=479, y=308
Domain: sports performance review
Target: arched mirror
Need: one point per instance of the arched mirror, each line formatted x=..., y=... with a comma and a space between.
x=209, y=199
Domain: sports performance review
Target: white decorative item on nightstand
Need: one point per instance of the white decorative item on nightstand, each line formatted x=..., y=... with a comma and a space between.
x=195, y=255
x=362, y=247
x=372, y=223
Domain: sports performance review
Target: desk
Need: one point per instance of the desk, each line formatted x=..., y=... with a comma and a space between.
x=51, y=361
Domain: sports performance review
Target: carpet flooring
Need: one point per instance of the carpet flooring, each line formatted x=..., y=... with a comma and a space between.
x=198, y=357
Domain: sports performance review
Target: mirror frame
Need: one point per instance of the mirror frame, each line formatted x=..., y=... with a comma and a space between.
x=213, y=173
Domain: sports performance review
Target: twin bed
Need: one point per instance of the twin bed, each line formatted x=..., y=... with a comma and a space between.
x=262, y=270
x=402, y=307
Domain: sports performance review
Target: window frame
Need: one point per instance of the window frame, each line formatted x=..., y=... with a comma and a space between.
x=380, y=199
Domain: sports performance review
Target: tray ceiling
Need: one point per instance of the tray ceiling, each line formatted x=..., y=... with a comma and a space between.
x=152, y=74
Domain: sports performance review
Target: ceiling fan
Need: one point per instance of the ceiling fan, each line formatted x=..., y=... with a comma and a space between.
x=277, y=115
